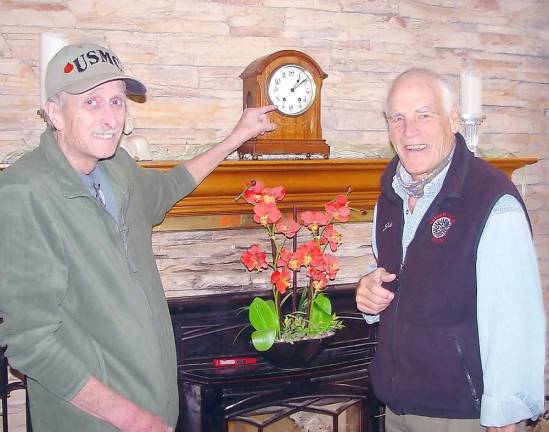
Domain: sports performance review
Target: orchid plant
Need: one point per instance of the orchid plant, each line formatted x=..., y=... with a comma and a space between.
x=310, y=313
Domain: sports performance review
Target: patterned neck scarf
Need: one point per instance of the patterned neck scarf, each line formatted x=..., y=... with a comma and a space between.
x=415, y=188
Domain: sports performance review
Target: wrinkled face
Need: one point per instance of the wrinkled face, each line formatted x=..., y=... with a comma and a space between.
x=89, y=125
x=420, y=129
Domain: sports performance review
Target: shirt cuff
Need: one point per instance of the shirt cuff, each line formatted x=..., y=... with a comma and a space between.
x=371, y=319
x=505, y=411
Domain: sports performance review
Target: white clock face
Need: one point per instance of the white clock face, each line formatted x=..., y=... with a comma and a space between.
x=292, y=89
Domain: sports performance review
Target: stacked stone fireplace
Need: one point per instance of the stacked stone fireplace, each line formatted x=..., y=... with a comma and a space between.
x=206, y=285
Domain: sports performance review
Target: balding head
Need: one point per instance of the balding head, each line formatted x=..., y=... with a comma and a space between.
x=446, y=92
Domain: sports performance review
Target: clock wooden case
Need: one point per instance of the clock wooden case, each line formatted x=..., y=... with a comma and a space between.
x=287, y=74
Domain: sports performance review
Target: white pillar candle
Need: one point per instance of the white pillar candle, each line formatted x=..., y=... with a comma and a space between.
x=471, y=93
x=50, y=44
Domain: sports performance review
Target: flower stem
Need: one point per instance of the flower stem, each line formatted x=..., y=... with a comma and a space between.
x=294, y=273
x=275, y=251
x=310, y=308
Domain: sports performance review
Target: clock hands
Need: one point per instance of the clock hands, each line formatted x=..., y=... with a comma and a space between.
x=298, y=83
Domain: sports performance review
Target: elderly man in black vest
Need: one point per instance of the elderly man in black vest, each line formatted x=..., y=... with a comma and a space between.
x=456, y=291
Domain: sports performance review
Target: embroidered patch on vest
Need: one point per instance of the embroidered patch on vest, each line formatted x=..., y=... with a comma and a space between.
x=440, y=225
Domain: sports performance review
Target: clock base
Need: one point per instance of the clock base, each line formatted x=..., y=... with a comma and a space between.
x=256, y=148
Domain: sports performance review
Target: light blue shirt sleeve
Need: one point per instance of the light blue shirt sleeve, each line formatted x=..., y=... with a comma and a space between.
x=372, y=319
x=511, y=319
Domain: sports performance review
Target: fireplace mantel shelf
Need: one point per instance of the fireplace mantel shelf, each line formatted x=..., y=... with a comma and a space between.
x=308, y=183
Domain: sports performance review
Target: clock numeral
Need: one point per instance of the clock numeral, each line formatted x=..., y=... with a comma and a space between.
x=277, y=81
x=291, y=107
x=275, y=89
x=283, y=74
x=291, y=72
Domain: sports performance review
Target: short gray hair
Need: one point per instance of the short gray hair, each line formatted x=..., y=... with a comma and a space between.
x=59, y=99
x=449, y=97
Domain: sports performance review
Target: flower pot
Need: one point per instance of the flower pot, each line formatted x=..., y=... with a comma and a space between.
x=297, y=354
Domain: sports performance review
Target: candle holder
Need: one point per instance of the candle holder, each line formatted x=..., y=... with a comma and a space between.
x=470, y=131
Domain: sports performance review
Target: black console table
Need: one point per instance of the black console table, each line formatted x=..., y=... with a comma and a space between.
x=208, y=328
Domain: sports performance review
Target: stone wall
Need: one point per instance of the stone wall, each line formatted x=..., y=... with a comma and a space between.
x=182, y=258
x=190, y=54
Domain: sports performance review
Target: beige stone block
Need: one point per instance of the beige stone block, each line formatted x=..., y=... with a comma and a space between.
x=383, y=7
x=55, y=14
x=17, y=78
x=161, y=17
x=122, y=10
x=178, y=25
x=357, y=143
x=239, y=2
x=362, y=86
x=449, y=12
x=530, y=95
x=541, y=243
x=167, y=76
x=213, y=51
x=323, y=5
x=226, y=78
x=19, y=111
x=5, y=51
x=370, y=60
x=262, y=22
x=341, y=27
x=171, y=112
x=359, y=120
x=512, y=120
x=178, y=136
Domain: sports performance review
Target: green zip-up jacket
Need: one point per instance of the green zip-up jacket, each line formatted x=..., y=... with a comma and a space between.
x=80, y=293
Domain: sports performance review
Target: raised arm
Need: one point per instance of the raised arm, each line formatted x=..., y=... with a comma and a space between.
x=254, y=122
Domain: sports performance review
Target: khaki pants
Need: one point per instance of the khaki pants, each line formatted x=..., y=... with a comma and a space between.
x=414, y=423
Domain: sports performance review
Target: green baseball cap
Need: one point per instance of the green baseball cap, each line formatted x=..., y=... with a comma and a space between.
x=78, y=68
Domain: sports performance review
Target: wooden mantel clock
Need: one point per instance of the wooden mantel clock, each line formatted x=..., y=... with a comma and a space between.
x=292, y=81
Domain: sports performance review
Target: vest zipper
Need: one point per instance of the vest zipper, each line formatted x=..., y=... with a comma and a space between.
x=395, y=321
x=472, y=389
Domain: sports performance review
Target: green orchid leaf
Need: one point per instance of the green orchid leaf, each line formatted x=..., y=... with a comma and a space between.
x=323, y=302
x=303, y=301
x=262, y=340
x=262, y=315
x=321, y=313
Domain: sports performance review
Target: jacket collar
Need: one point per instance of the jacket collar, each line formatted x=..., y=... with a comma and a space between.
x=70, y=183
x=453, y=183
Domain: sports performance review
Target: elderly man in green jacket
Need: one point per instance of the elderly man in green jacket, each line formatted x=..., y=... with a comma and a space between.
x=84, y=313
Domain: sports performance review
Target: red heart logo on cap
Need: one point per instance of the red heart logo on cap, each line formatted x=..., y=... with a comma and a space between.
x=68, y=68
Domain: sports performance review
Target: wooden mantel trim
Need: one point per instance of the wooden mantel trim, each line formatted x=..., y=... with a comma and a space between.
x=309, y=184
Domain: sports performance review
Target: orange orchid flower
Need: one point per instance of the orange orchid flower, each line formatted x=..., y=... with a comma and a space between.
x=332, y=237
x=338, y=209
x=254, y=258
x=318, y=279
x=331, y=266
x=282, y=280
x=253, y=192
x=266, y=214
x=288, y=227
x=271, y=195
x=314, y=220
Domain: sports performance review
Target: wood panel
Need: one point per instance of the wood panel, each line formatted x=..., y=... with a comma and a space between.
x=308, y=183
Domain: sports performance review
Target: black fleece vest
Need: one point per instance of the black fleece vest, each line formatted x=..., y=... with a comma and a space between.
x=428, y=358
